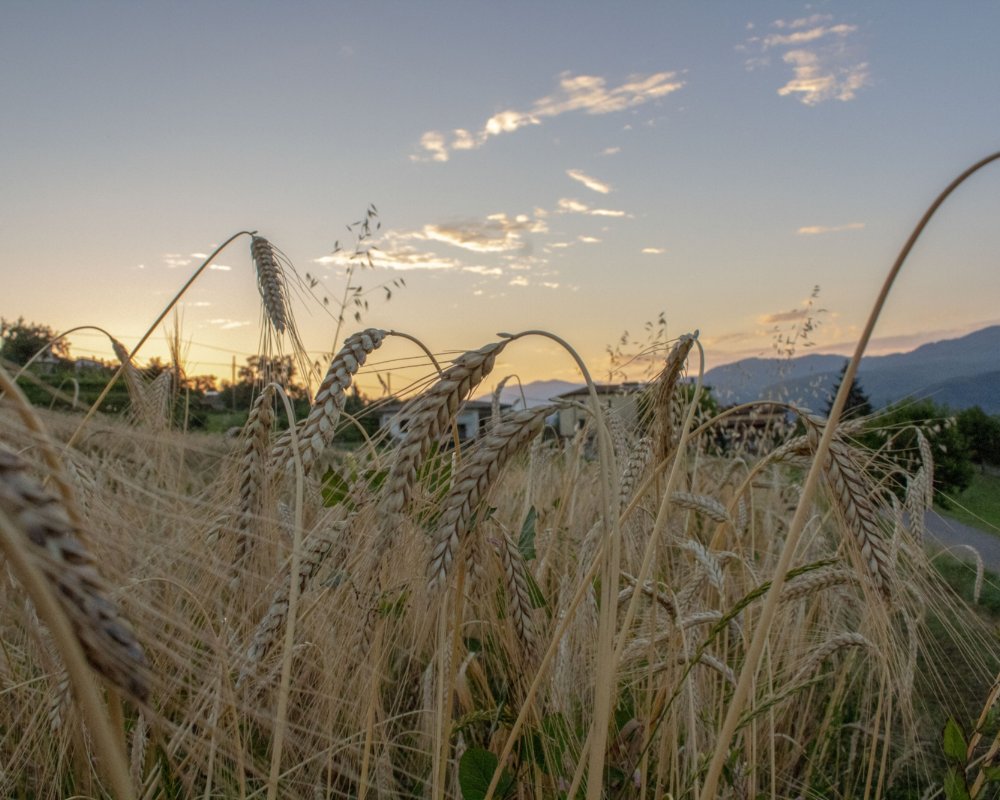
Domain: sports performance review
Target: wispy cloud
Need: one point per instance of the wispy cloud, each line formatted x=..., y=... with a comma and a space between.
x=569, y=206
x=777, y=318
x=611, y=151
x=591, y=183
x=653, y=251
x=815, y=230
x=498, y=233
x=176, y=260
x=220, y=267
x=228, y=324
x=589, y=239
x=519, y=280
x=820, y=55
x=588, y=94
x=398, y=257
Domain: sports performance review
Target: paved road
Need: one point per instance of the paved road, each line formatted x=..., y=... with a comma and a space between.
x=946, y=532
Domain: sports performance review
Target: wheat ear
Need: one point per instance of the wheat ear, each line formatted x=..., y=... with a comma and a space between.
x=315, y=552
x=107, y=639
x=271, y=282
x=633, y=466
x=473, y=481
x=816, y=581
x=663, y=396
x=519, y=605
x=253, y=473
x=430, y=415
x=851, y=494
x=703, y=504
x=135, y=383
x=828, y=648
x=318, y=429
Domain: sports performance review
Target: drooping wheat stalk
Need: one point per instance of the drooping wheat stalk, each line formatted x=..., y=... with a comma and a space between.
x=703, y=504
x=663, y=397
x=318, y=429
x=633, y=465
x=316, y=549
x=853, y=497
x=108, y=641
x=519, y=604
x=253, y=474
x=271, y=282
x=816, y=581
x=135, y=383
x=828, y=648
x=159, y=396
x=429, y=417
x=477, y=473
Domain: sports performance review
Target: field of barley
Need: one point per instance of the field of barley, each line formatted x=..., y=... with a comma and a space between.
x=645, y=610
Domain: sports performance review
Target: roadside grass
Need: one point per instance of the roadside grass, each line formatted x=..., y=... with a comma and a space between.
x=979, y=505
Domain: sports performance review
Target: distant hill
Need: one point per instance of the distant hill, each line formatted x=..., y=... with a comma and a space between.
x=959, y=373
x=537, y=393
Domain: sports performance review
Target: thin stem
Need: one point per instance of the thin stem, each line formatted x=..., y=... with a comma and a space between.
x=750, y=665
x=153, y=327
x=109, y=750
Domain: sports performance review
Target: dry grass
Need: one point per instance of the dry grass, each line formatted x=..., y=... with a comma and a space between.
x=668, y=619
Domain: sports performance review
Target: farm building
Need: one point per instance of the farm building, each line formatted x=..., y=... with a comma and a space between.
x=620, y=399
x=472, y=419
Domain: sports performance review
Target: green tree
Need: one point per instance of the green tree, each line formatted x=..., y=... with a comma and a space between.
x=21, y=340
x=857, y=405
x=897, y=428
x=982, y=432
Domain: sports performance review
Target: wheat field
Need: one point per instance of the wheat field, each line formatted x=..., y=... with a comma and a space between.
x=637, y=611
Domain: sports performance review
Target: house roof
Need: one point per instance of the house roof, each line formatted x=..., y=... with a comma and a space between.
x=394, y=406
x=630, y=387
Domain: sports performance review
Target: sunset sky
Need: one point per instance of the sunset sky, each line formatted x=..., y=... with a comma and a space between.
x=578, y=167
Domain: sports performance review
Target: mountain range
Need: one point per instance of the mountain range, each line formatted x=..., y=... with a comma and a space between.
x=958, y=373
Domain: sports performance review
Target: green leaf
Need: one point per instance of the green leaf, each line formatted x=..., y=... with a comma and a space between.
x=335, y=489
x=955, y=787
x=475, y=771
x=526, y=542
x=954, y=742
x=535, y=592
x=991, y=774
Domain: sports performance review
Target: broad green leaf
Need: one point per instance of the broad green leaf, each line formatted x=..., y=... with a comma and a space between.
x=955, y=787
x=954, y=742
x=475, y=771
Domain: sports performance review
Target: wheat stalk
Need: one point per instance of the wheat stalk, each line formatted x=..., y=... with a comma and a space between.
x=663, y=396
x=430, y=415
x=473, y=481
x=108, y=641
x=253, y=475
x=816, y=581
x=515, y=573
x=828, y=648
x=315, y=551
x=271, y=282
x=316, y=432
x=135, y=383
x=851, y=492
x=703, y=504
x=633, y=466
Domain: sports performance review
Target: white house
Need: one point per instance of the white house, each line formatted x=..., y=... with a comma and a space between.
x=472, y=419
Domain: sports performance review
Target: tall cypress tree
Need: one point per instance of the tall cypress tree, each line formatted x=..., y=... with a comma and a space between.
x=857, y=405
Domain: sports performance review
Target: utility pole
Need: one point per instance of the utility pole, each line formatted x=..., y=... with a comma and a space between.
x=232, y=391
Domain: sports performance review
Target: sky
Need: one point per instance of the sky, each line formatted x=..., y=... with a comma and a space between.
x=580, y=168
